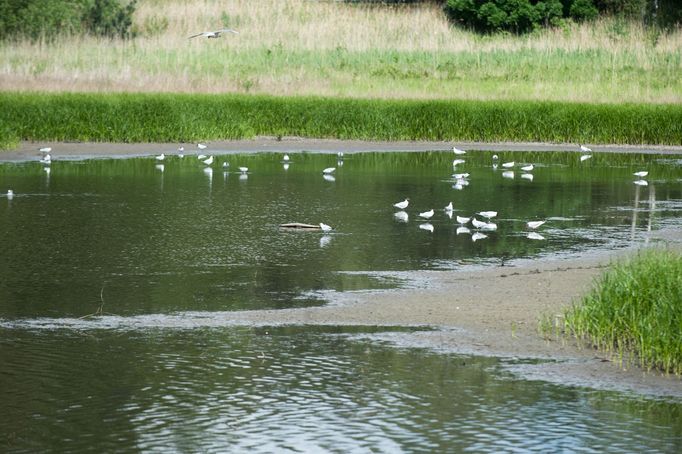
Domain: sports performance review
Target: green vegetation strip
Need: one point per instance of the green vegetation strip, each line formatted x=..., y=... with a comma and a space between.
x=186, y=118
x=636, y=308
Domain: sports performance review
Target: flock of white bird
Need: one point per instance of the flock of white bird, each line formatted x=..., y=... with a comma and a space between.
x=461, y=180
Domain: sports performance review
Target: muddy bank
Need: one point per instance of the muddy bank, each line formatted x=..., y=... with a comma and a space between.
x=28, y=151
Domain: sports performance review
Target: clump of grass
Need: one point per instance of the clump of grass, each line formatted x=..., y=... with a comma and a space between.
x=121, y=117
x=636, y=309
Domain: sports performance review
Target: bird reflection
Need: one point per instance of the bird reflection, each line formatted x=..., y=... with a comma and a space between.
x=325, y=240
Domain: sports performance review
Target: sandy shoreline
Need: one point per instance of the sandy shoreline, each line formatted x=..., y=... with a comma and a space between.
x=492, y=311
x=28, y=151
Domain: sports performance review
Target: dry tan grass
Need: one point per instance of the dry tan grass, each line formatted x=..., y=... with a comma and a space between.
x=166, y=60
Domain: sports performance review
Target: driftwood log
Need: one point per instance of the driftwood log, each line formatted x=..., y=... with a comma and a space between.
x=299, y=226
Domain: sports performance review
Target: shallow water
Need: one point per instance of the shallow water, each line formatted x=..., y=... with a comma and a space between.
x=158, y=247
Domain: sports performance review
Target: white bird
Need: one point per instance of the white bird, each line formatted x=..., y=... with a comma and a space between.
x=534, y=236
x=641, y=183
x=286, y=158
x=495, y=157
x=243, y=169
x=478, y=236
x=456, y=162
x=402, y=205
x=585, y=157
x=528, y=168
x=641, y=173
x=534, y=224
x=426, y=214
x=181, y=152
x=45, y=149
x=201, y=157
x=584, y=149
x=208, y=161
x=226, y=164
x=462, y=229
x=462, y=220
x=488, y=214
x=47, y=159
x=215, y=33
x=201, y=146
x=10, y=194
x=329, y=170
x=401, y=216
x=427, y=226
x=458, y=151
x=325, y=227
x=161, y=157
x=448, y=207
x=460, y=176
x=478, y=224
x=339, y=155
x=489, y=226
x=508, y=165
x=508, y=174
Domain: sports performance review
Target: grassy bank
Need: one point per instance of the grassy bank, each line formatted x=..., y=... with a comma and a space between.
x=336, y=49
x=187, y=118
x=636, y=309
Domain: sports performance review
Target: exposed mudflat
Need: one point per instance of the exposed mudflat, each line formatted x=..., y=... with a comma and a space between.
x=28, y=151
x=492, y=311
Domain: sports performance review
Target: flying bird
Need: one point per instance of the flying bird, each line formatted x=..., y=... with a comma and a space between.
x=215, y=33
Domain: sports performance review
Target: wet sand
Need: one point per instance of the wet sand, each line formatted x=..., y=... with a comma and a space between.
x=28, y=151
x=491, y=311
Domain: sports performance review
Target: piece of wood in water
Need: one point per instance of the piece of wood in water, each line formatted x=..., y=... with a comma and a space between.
x=299, y=226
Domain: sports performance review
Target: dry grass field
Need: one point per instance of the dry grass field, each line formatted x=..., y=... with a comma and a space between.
x=331, y=48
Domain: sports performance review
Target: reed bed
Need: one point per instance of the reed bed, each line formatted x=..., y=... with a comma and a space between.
x=636, y=309
x=329, y=48
x=137, y=117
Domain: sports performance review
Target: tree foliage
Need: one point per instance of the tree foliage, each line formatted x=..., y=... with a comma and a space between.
x=45, y=19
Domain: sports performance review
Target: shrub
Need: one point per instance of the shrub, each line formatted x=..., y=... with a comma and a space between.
x=46, y=19
x=583, y=10
x=518, y=16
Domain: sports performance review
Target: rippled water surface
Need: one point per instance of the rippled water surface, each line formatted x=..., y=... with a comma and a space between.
x=149, y=244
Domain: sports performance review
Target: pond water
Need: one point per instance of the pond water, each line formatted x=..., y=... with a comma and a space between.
x=157, y=241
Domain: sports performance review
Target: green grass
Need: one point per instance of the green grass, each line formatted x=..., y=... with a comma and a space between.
x=185, y=118
x=636, y=309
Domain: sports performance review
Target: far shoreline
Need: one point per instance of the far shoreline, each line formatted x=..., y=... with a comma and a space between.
x=29, y=151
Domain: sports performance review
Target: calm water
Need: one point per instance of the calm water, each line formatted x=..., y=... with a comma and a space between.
x=156, y=243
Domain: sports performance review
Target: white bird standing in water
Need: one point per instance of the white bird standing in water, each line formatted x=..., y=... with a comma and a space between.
x=508, y=165
x=339, y=155
x=10, y=194
x=402, y=205
x=528, y=168
x=47, y=159
x=478, y=224
x=285, y=158
x=426, y=214
x=462, y=220
x=641, y=173
x=584, y=149
x=208, y=161
x=45, y=149
x=181, y=152
x=488, y=214
x=201, y=146
x=161, y=157
x=448, y=208
x=325, y=227
x=243, y=169
x=215, y=33
x=329, y=170
x=534, y=224
x=458, y=151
